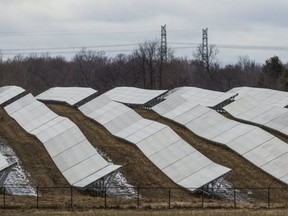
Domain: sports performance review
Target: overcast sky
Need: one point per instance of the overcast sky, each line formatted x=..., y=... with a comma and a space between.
x=62, y=27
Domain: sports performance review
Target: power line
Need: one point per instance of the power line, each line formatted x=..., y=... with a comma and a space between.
x=188, y=45
x=93, y=30
x=72, y=47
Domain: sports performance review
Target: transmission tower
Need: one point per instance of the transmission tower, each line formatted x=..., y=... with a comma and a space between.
x=163, y=44
x=205, y=52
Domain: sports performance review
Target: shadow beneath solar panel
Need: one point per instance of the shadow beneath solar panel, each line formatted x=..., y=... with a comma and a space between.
x=244, y=174
x=136, y=167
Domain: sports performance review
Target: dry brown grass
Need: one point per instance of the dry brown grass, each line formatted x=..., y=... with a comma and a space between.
x=34, y=157
x=189, y=212
x=136, y=168
x=243, y=175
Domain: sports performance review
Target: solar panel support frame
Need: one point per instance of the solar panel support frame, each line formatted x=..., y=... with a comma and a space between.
x=101, y=184
x=206, y=188
x=5, y=172
x=148, y=105
x=219, y=107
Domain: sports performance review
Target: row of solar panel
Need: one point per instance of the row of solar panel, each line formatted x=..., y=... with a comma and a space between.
x=183, y=107
x=172, y=155
x=177, y=159
x=72, y=153
x=253, y=143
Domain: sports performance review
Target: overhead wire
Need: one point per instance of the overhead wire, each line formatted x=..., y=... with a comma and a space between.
x=112, y=47
x=130, y=47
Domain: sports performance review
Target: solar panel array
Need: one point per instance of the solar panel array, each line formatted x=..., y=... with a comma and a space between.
x=173, y=156
x=275, y=97
x=201, y=96
x=72, y=153
x=9, y=92
x=69, y=95
x=256, y=145
x=132, y=95
x=268, y=115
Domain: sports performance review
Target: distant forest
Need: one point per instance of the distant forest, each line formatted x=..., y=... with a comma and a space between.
x=144, y=68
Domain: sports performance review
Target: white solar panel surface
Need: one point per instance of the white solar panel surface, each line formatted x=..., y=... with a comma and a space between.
x=132, y=95
x=69, y=95
x=172, y=155
x=256, y=145
x=249, y=109
x=273, y=97
x=8, y=92
x=72, y=153
x=201, y=96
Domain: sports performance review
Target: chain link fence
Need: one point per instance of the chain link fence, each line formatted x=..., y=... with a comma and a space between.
x=144, y=198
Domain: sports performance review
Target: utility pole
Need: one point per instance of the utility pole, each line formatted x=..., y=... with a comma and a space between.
x=163, y=52
x=205, y=52
x=163, y=43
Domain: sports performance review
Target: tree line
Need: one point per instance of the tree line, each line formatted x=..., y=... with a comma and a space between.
x=143, y=68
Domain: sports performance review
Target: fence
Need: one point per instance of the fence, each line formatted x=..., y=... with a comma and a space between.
x=144, y=198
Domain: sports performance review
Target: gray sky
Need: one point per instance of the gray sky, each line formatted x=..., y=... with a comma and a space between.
x=117, y=26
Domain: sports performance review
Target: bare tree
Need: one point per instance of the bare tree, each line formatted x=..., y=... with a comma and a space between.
x=249, y=71
x=212, y=60
x=148, y=59
x=89, y=67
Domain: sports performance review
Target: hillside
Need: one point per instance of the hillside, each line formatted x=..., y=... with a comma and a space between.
x=244, y=174
x=137, y=169
x=33, y=156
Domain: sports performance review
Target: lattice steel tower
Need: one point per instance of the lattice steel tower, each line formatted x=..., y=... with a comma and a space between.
x=163, y=44
x=205, y=51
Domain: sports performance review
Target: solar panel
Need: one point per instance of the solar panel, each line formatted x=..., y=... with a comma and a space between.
x=267, y=152
x=172, y=155
x=69, y=95
x=100, y=174
x=256, y=145
x=274, y=97
x=249, y=109
x=202, y=96
x=132, y=95
x=18, y=104
x=203, y=176
x=72, y=153
x=9, y=92
x=186, y=166
x=32, y=115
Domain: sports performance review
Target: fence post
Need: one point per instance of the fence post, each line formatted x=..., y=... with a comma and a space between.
x=37, y=191
x=4, y=191
x=268, y=197
x=202, y=199
x=169, y=197
x=235, y=197
x=105, y=198
x=71, y=192
x=138, y=196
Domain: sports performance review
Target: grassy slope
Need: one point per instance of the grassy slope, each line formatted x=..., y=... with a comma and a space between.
x=33, y=156
x=136, y=167
x=244, y=174
x=149, y=212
